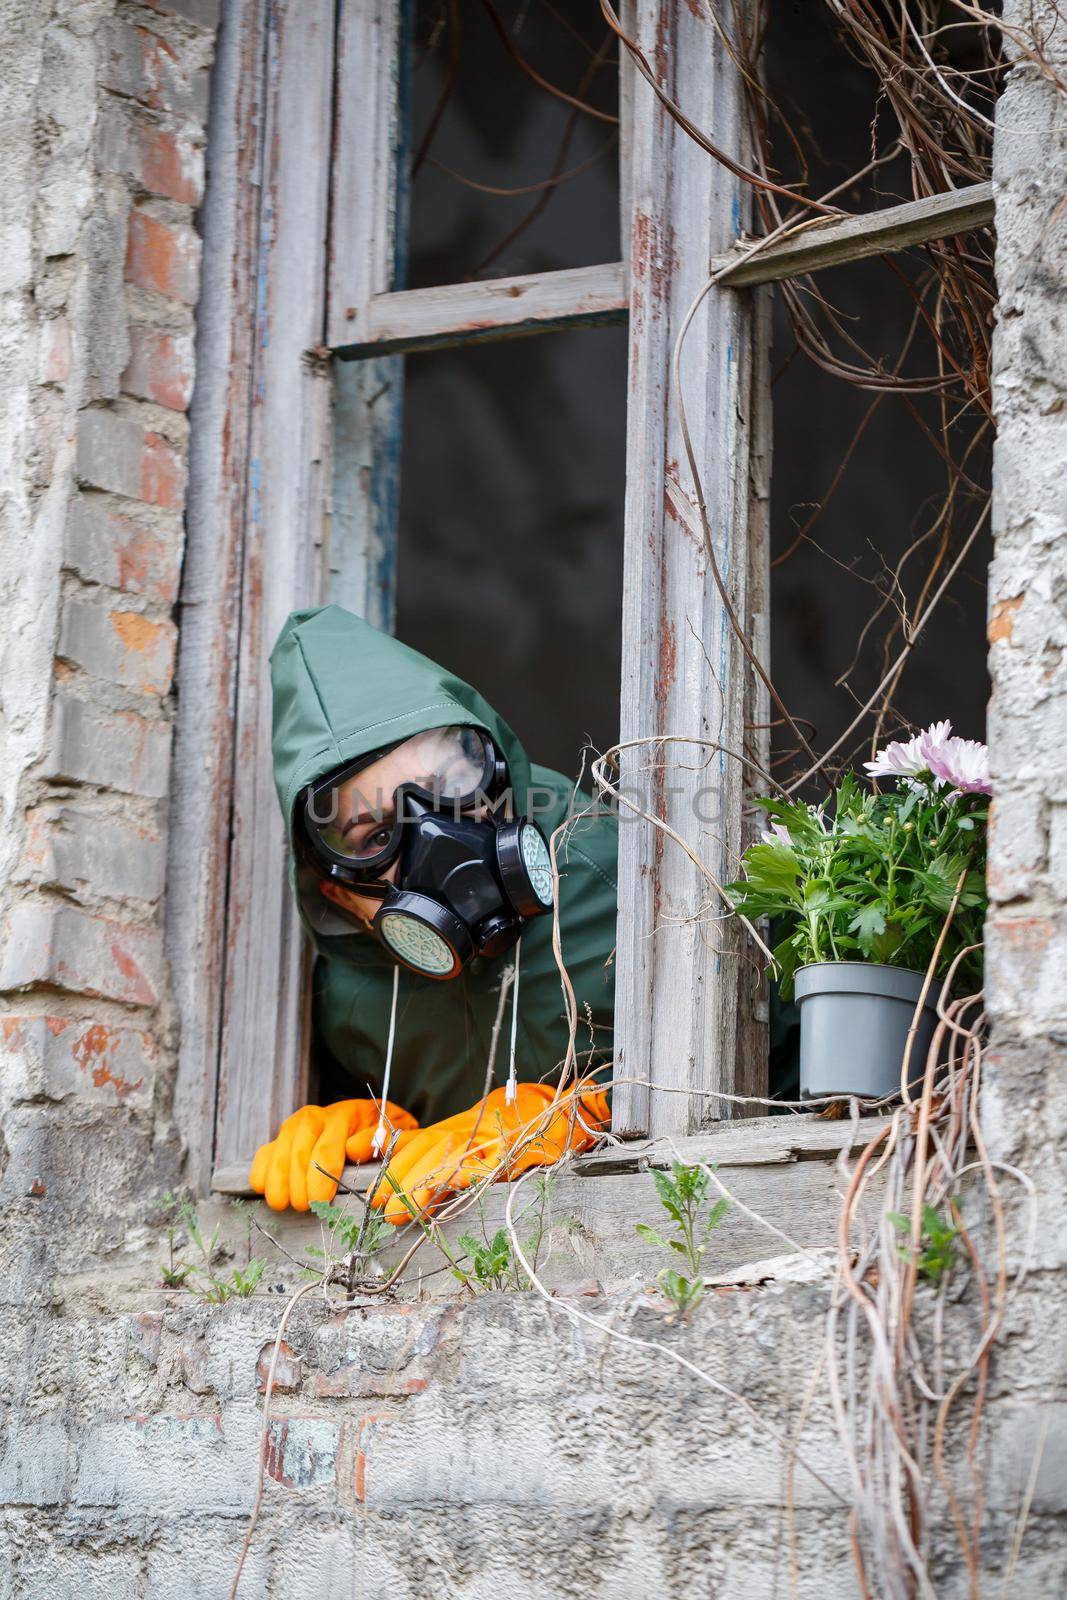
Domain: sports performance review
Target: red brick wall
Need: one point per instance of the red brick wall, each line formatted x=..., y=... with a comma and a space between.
x=104, y=275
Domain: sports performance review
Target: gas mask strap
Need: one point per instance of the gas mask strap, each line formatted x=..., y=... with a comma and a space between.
x=380, y=1132
x=510, y=1091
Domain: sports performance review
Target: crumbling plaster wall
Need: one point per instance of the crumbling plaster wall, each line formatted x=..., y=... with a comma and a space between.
x=503, y=1446
x=1025, y=1103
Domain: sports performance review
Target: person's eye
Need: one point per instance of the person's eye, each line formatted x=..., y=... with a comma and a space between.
x=376, y=841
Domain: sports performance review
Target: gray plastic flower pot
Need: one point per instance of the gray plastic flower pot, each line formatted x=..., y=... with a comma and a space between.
x=854, y=1021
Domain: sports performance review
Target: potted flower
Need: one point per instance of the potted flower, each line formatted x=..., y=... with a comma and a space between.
x=860, y=889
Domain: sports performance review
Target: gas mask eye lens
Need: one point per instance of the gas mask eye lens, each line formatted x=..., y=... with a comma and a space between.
x=350, y=816
x=452, y=763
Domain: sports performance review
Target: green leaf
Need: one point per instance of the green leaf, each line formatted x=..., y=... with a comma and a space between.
x=869, y=922
x=651, y=1236
x=691, y=1181
x=670, y=1199
x=683, y=1293
x=789, y=955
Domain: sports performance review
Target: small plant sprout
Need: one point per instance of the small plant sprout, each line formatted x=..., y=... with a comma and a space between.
x=205, y=1280
x=683, y=1194
x=937, y=1241
x=490, y=1263
x=173, y=1273
x=360, y=1235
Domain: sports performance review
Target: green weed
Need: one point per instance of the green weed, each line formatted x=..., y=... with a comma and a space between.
x=683, y=1194
x=937, y=1242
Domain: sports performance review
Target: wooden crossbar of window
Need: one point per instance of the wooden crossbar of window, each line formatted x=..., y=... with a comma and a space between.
x=539, y=302
x=831, y=242
x=464, y=313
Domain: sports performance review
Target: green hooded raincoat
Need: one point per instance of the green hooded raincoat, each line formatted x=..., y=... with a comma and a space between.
x=342, y=689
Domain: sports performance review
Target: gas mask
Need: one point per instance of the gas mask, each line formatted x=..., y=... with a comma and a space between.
x=467, y=877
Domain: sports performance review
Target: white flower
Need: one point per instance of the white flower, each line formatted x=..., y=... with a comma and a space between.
x=908, y=758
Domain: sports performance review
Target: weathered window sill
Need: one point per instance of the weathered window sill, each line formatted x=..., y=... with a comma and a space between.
x=783, y=1169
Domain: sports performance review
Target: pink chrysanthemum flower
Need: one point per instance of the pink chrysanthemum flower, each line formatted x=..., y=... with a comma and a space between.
x=962, y=763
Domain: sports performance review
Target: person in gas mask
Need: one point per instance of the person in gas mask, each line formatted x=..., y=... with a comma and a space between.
x=419, y=861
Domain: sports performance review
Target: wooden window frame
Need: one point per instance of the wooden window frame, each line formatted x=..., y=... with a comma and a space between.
x=302, y=223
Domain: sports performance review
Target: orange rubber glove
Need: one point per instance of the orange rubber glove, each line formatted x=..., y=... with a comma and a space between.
x=494, y=1138
x=285, y=1171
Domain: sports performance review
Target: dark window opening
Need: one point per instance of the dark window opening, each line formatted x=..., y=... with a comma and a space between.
x=511, y=518
x=481, y=125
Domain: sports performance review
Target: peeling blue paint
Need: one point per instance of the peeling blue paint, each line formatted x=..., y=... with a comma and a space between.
x=199, y=1429
x=302, y=1451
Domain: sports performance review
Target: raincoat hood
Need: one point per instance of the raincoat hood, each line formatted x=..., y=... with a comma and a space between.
x=343, y=689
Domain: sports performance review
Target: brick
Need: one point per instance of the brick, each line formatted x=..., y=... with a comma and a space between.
x=104, y=332
x=49, y=432
x=67, y=948
x=55, y=351
x=205, y=13
x=163, y=256
x=1026, y=957
x=113, y=857
x=183, y=1568
x=366, y=1428
x=169, y=1463
x=1016, y=843
x=66, y=110
x=146, y=1335
x=106, y=547
x=117, y=749
x=386, y=1353
x=288, y=1374
x=125, y=647
x=193, y=1362
x=301, y=1451
x=115, y=452
x=160, y=367
x=35, y=1459
x=144, y=66
x=57, y=1058
x=161, y=162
